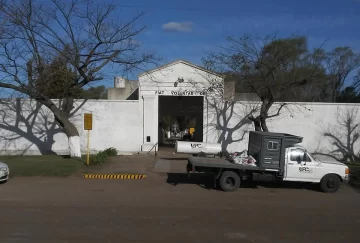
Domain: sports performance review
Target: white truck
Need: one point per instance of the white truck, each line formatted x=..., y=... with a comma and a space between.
x=277, y=155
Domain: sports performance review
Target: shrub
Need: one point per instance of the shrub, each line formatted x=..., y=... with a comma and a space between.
x=102, y=156
x=111, y=151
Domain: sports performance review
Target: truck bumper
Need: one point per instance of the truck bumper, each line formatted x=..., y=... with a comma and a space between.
x=346, y=179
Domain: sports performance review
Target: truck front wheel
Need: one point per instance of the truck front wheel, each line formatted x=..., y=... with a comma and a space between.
x=229, y=181
x=330, y=183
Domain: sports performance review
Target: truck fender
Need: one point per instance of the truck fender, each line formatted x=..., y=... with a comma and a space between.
x=341, y=179
x=242, y=174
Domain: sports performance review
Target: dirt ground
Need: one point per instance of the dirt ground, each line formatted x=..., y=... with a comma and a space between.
x=171, y=207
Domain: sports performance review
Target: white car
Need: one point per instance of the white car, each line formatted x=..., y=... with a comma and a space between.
x=4, y=172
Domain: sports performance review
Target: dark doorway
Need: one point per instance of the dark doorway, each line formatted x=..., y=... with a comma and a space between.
x=180, y=118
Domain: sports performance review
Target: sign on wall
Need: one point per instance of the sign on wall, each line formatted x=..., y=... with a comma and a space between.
x=181, y=93
x=87, y=121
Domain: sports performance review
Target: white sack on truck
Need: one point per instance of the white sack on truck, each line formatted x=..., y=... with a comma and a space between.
x=243, y=158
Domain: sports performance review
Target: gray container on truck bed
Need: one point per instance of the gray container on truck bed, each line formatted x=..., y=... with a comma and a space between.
x=268, y=149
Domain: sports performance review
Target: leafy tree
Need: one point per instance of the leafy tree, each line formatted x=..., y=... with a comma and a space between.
x=54, y=80
x=98, y=92
x=348, y=95
x=65, y=45
x=271, y=67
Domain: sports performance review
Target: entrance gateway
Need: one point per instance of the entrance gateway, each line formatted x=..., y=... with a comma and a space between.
x=180, y=118
x=174, y=102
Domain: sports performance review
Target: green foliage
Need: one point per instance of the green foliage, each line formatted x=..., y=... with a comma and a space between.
x=98, y=92
x=99, y=158
x=111, y=151
x=42, y=165
x=55, y=80
x=102, y=156
x=349, y=95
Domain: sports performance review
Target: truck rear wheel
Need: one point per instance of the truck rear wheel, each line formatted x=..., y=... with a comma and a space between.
x=229, y=181
x=330, y=183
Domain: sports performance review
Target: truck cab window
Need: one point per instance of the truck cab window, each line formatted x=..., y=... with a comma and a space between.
x=299, y=155
x=272, y=145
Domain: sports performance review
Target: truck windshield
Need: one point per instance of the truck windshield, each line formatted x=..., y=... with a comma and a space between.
x=311, y=155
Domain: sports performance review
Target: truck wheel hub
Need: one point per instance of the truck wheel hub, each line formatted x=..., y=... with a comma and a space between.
x=331, y=183
x=230, y=181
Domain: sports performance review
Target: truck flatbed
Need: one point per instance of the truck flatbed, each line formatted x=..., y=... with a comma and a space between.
x=219, y=163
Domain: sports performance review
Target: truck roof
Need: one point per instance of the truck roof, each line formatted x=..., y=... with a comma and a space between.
x=277, y=134
x=289, y=139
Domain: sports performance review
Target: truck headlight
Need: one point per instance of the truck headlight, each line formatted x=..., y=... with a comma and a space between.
x=3, y=169
x=347, y=171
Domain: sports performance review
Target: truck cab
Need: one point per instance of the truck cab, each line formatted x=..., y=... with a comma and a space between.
x=301, y=166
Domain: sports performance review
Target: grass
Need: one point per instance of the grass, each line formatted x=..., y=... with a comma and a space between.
x=42, y=165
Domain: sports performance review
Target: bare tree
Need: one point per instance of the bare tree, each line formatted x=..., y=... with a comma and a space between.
x=356, y=81
x=269, y=67
x=87, y=35
x=340, y=62
x=345, y=134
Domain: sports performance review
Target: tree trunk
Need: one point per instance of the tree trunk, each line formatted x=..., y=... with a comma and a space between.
x=264, y=112
x=257, y=123
x=264, y=125
x=73, y=139
x=62, y=114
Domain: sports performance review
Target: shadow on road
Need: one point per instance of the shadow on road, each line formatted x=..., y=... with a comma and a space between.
x=206, y=181
x=202, y=180
x=282, y=185
x=165, y=158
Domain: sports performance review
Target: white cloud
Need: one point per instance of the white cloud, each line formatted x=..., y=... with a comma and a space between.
x=177, y=26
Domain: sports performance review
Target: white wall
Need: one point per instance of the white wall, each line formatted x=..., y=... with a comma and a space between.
x=309, y=120
x=115, y=124
x=119, y=124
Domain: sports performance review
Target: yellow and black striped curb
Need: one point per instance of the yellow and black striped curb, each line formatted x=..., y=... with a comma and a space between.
x=114, y=176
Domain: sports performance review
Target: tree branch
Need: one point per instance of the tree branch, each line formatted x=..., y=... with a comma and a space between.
x=278, y=111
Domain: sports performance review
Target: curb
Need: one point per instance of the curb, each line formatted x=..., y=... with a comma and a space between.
x=114, y=176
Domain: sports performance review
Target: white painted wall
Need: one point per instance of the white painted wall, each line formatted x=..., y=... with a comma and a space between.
x=119, y=124
x=309, y=120
x=115, y=124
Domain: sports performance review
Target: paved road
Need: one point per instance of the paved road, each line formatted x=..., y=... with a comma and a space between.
x=152, y=210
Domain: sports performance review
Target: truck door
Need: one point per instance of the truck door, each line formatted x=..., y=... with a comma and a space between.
x=299, y=166
x=272, y=152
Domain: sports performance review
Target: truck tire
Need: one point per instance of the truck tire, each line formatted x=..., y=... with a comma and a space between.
x=229, y=181
x=330, y=183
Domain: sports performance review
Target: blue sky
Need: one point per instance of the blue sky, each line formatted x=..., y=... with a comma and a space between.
x=188, y=29
x=212, y=21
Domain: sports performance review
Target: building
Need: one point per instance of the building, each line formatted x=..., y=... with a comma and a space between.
x=172, y=98
x=179, y=100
